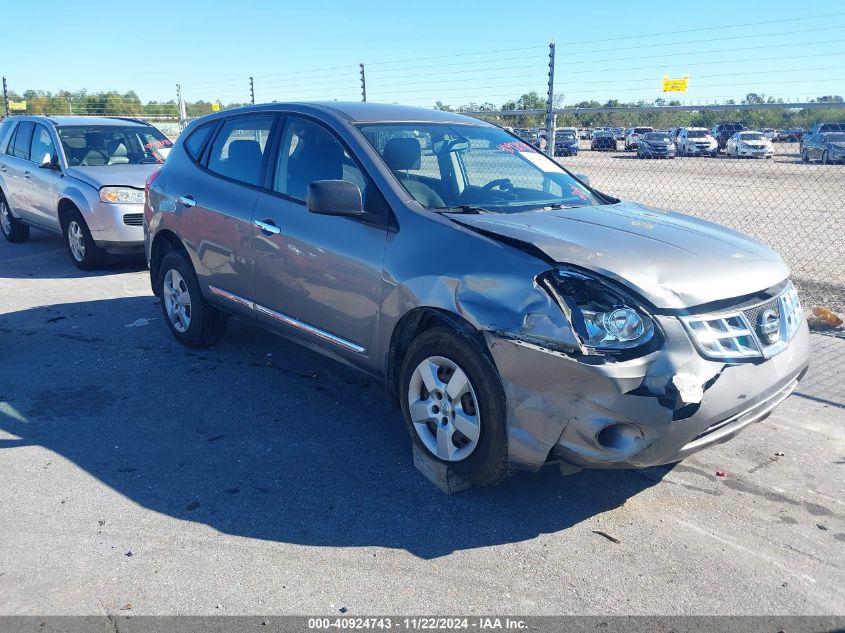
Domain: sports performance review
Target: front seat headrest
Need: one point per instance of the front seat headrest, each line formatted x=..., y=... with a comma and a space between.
x=402, y=153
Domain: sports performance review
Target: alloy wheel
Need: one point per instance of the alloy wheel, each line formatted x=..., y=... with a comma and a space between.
x=5, y=218
x=76, y=240
x=177, y=301
x=444, y=409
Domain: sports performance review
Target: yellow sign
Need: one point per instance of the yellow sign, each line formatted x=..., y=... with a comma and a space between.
x=675, y=85
x=17, y=106
x=215, y=107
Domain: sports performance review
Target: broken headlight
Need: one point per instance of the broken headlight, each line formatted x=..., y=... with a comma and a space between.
x=604, y=317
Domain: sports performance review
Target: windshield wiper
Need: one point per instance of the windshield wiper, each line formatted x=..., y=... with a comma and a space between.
x=462, y=208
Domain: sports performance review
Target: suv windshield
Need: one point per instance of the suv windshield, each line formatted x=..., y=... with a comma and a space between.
x=471, y=168
x=643, y=130
x=99, y=145
x=836, y=137
x=751, y=136
x=656, y=136
x=564, y=136
x=697, y=133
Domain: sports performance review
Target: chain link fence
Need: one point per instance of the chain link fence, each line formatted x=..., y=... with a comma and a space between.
x=770, y=183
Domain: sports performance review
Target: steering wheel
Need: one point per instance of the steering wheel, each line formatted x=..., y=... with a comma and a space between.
x=504, y=184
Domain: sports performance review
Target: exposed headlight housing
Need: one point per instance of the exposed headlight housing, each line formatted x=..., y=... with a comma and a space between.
x=121, y=195
x=605, y=318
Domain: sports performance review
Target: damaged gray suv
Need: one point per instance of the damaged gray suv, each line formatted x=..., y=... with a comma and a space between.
x=518, y=316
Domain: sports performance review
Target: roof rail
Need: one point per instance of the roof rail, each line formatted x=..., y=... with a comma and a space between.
x=128, y=118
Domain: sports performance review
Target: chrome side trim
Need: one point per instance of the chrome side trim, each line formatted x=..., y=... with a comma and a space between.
x=289, y=320
x=231, y=297
x=310, y=329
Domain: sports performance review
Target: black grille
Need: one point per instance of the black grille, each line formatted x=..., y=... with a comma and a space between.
x=133, y=219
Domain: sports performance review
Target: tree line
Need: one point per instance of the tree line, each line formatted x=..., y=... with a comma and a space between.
x=110, y=103
x=779, y=119
x=114, y=103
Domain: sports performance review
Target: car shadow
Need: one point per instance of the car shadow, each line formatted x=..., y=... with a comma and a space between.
x=256, y=437
x=44, y=256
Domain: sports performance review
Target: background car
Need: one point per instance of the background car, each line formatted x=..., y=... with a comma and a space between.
x=723, y=131
x=633, y=135
x=790, y=135
x=749, y=143
x=81, y=177
x=818, y=128
x=603, y=140
x=566, y=143
x=769, y=133
x=827, y=147
x=655, y=145
x=696, y=141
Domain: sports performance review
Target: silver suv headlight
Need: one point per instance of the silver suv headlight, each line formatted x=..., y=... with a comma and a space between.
x=604, y=317
x=121, y=195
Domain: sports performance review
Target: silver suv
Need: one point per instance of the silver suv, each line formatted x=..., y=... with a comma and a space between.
x=517, y=315
x=82, y=177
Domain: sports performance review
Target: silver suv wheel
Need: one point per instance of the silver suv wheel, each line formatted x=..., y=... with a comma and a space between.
x=444, y=409
x=177, y=301
x=5, y=218
x=76, y=240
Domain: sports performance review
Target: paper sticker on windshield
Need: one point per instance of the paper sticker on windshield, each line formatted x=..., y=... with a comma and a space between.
x=545, y=164
x=576, y=191
x=513, y=146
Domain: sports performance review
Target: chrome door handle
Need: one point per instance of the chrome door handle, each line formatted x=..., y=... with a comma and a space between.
x=26, y=174
x=188, y=201
x=267, y=227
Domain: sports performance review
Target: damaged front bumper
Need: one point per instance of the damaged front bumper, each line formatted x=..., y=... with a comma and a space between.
x=593, y=411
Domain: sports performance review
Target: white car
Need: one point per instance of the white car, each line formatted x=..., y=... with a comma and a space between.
x=749, y=143
x=696, y=141
x=769, y=132
x=632, y=137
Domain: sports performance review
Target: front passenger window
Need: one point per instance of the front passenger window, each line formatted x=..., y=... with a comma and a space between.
x=41, y=144
x=238, y=150
x=309, y=152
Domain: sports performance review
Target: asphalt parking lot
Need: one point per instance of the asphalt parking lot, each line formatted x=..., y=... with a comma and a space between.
x=257, y=477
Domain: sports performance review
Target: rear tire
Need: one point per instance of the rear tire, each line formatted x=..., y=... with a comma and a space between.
x=440, y=359
x=192, y=320
x=80, y=245
x=13, y=230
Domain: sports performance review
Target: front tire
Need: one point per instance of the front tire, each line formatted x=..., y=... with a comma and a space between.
x=13, y=230
x=80, y=245
x=825, y=158
x=454, y=405
x=805, y=156
x=192, y=320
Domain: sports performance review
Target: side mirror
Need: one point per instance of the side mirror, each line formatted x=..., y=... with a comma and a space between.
x=48, y=162
x=334, y=197
x=583, y=178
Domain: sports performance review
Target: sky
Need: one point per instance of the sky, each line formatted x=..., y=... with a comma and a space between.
x=419, y=53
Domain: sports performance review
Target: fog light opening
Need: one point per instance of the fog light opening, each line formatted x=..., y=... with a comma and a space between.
x=626, y=439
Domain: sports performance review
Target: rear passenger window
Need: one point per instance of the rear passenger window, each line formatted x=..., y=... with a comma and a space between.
x=194, y=143
x=238, y=150
x=20, y=146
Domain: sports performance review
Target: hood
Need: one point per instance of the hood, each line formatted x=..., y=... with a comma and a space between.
x=673, y=260
x=113, y=175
